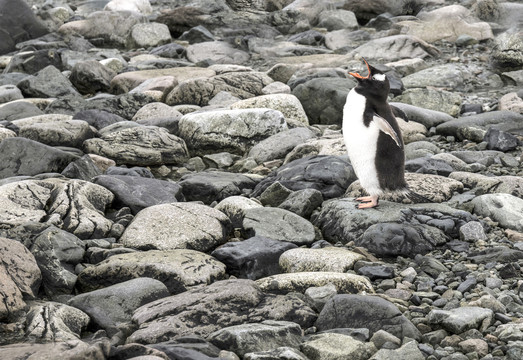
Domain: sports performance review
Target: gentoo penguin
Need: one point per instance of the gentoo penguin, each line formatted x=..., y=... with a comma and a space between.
x=373, y=137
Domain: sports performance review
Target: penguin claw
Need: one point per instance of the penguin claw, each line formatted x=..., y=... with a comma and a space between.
x=367, y=202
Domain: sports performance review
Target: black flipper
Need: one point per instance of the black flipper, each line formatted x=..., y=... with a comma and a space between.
x=417, y=198
x=399, y=113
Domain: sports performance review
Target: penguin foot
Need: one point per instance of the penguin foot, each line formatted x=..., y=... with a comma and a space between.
x=367, y=202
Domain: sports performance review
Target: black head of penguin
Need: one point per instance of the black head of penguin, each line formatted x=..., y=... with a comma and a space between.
x=375, y=85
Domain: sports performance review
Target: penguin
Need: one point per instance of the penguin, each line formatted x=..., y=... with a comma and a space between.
x=373, y=138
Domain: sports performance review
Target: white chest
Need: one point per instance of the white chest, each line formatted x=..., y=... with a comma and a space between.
x=361, y=142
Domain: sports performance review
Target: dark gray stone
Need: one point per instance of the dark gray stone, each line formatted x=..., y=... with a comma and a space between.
x=90, y=77
x=33, y=61
x=197, y=34
x=98, y=118
x=279, y=145
x=467, y=285
x=364, y=311
x=329, y=174
x=309, y=37
x=19, y=110
x=57, y=252
x=277, y=224
x=134, y=171
x=500, y=140
x=138, y=192
x=391, y=239
x=253, y=258
x=303, y=202
x=22, y=156
x=47, y=83
x=428, y=165
x=377, y=272
x=83, y=169
x=114, y=305
x=172, y=50
x=19, y=23
x=323, y=99
x=499, y=254
x=274, y=195
x=209, y=186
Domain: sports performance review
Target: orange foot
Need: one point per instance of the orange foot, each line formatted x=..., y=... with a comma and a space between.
x=367, y=202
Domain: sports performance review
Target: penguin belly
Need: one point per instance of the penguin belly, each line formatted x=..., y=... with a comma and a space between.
x=361, y=142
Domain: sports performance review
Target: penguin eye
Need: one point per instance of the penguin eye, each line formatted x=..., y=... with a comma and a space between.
x=379, y=77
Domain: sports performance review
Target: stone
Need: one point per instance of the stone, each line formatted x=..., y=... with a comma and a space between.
x=485, y=184
x=444, y=76
x=47, y=83
x=64, y=349
x=329, y=259
x=6, y=133
x=179, y=270
x=9, y=93
x=57, y=252
x=289, y=105
x=374, y=313
x=172, y=226
x=500, y=254
x=138, y=6
x=235, y=206
x=209, y=186
x=156, y=110
x=302, y=202
x=82, y=169
x=254, y=258
x=140, y=146
x=204, y=310
x=114, y=305
x=500, y=140
x=98, y=118
x=216, y=52
x=432, y=99
x=507, y=53
x=23, y=201
x=511, y=102
x=277, y=224
x=504, y=208
x=139, y=193
x=329, y=174
x=447, y=23
x=396, y=47
x=408, y=351
x=283, y=353
x=18, y=110
x=22, y=156
x=54, y=130
x=267, y=335
x=150, y=34
x=336, y=346
x=381, y=337
x=337, y=19
x=197, y=34
x=345, y=283
x=90, y=77
x=279, y=145
x=323, y=99
x=51, y=321
x=472, y=232
x=461, y=319
x=391, y=239
x=20, y=277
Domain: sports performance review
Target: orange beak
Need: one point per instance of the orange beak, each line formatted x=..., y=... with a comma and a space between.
x=356, y=75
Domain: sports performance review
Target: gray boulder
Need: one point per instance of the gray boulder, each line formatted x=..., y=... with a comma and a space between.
x=507, y=53
x=22, y=156
x=278, y=224
x=365, y=311
x=60, y=349
x=114, y=305
x=210, y=186
x=462, y=319
x=302, y=202
x=57, y=252
x=254, y=258
x=47, y=83
x=409, y=351
x=427, y=117
x=216, y=52
x=267, y=335
x=20, y=279
x=283, y=353
x=177, y=226
x=234, y=207
x=138, y=192
x=98, y=118
x=329, y=174
x=141, y=145
x=432, y=99
x=179, y=270
x=82, y=169
x=337, y=19
x=396, y=47
x=336, y=346
x=150, y=34
x=19, y=110
x=54, y=130
x=506, y=209
x=235, y=131
x=90, y=77
x=329, y=259
x=279, y=145
x=23, y=201
x=323, y=99
x=445, y=76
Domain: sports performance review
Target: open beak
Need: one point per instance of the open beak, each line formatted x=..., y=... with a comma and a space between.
x=358, y=76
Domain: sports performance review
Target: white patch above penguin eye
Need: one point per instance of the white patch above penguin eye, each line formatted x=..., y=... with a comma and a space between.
x=379, y=77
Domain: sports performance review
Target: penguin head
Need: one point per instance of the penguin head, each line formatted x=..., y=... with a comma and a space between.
x=374, y=84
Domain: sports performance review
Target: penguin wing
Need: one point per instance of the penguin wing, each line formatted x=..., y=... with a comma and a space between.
x=384, y=126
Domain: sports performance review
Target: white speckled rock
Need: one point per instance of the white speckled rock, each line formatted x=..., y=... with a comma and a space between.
x=329, y=259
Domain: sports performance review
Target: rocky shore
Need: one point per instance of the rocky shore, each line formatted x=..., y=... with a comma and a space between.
x=174, y=182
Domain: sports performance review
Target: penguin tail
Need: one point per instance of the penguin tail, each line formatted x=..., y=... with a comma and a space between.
x=417, y=198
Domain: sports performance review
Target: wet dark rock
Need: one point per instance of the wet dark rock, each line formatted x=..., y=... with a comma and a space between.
x=138, y=192
x=98, y=118
x=133, y=171
x=329, y=174
x=428, y=165
x=33, y=61
x=499, y=254
x=500, y=140
x=364, y=311
x=374, y=272
x=212, y=186
x=48, y=82
x=83, y=169
x=254, y=258
x=302, y=202
x=172, y=50
x=19, y=110
x=309, y=37
x=27, y=157
x=90, y=77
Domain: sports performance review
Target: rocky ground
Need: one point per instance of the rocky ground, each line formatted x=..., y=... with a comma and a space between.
x=174, y=183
